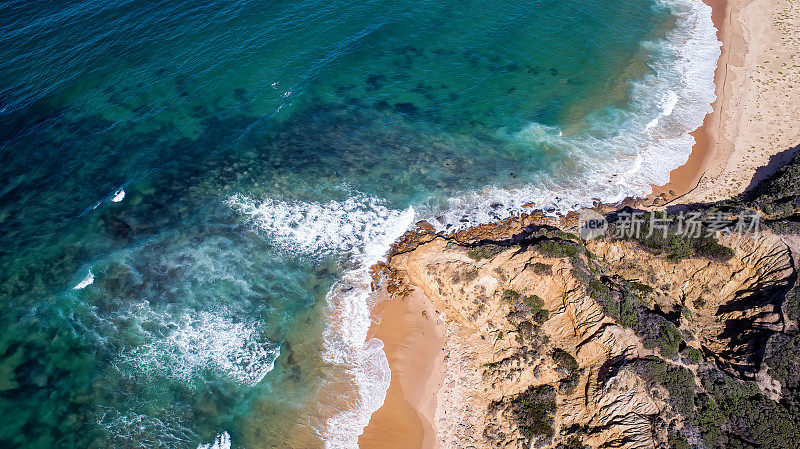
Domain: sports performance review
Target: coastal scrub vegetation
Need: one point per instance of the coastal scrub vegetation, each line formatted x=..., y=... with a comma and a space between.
x=725, y=411
x=527, y=313
x=568, y=368
x=672, y=242
x=624, y=301
x=776, y=196
x=560, y=248
x=573, y=442
x=486, y=251
x=657, y=332
x=737, y=414
x=533, y=411
x=535, y=305
x=542, y=268
x=678, y=381
x=678, y=441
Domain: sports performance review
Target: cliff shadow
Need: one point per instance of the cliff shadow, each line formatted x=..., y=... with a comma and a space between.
x=776, y=162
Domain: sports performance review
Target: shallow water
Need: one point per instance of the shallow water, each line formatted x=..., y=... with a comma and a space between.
x=191, y=191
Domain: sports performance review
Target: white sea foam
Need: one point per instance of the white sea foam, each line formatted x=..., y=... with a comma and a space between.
x=361, y=228
x=87, y=281
x=313, y=228
x=223, y=441
x=667, y=107
x=652, y=138
x=346, y=341
x=189, y=344
x=137, y=430
x=372, y=375
x=119, y=195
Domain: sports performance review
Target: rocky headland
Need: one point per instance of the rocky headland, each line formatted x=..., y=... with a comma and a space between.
x=655, y=340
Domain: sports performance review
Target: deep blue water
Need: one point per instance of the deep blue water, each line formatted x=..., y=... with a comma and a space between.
x=212, y=175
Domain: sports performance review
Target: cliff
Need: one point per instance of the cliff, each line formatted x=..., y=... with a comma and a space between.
x=659, y=340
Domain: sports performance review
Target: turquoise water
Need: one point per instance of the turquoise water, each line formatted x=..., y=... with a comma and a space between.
x=191, y=191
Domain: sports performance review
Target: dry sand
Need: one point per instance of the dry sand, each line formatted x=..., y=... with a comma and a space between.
x=413, y=340
x=754, y=127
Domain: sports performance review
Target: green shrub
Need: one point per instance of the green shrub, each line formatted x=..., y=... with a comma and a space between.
x=568, y=236
x=564, y=360
x=711, y=249
x=573, y=442
x=485, y=251
x=598, y=290
x=678, y=441
x=542, y=268
x=660, y=334
x=747, y=414
x=678, y=381
x=673, y=246
x=567, y=366
x=538, y=313
x=641, y=288
x=694, y=355
x=533, y=411
x=677, y=246
x=628, y=316
x=708, y=418
x=621, y=306
x=526, y=329
x=559, y=248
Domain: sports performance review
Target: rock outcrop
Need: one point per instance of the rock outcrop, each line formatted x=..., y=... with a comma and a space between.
x=558, y=342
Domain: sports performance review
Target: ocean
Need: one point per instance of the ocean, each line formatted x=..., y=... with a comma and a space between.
x=191, y=193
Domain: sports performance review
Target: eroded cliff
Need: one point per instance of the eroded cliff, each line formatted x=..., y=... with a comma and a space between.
x=559, y=342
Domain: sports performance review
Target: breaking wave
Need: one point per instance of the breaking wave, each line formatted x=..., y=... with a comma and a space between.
x=649, y=139
x=223, y=441
x=186, y=346
x=361, y=228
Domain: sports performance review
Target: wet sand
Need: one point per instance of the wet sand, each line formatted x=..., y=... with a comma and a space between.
x=686, y=177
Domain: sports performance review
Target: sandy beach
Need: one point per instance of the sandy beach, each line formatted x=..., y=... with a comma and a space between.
x=752, y=130
x=412, y=337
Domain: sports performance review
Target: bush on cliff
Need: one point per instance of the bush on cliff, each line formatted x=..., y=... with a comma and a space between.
x=486, y=251
x=542, y=268
x=621, y=303
x=657, y=332
x=568, y=368
x=778, y=195
x=533, y=411
x=573, y=442
x=678, y=381
x=560, y=248
x=675, y=244
x=746, y=415
x=678, y=441
x=534, y=304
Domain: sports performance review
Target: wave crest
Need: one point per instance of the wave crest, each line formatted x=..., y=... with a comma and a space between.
x=316, y=228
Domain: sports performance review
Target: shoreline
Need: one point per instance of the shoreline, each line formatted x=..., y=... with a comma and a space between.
x=739, y=145
x=735, y=148
x=412, y=335
x=686, y=177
